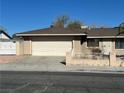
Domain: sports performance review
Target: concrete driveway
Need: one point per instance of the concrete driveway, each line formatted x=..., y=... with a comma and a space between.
x=36, y=63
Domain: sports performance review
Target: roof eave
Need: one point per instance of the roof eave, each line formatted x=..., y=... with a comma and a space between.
x=50, y=34
x=105, y=36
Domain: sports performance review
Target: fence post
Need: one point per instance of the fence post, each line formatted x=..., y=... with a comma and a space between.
x=76, y=47
x=112, y=58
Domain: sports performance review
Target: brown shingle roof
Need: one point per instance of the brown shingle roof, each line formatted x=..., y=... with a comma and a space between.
x=99, y=32
x=51, y=31
x=94, y=32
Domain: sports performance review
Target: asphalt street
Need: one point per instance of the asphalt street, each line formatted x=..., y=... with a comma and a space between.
x=60, y=82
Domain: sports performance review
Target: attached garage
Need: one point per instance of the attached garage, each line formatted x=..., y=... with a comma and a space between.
x=48, y=42
x=51, y=48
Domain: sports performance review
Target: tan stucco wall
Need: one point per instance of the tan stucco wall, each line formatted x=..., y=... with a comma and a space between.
x=23, y=47
x=77, y=46
x=104, y=40
x=85, y=62
x=68, y=38
x=112, y=62
x=19, y=47
x=118, y=51
x=27, y=47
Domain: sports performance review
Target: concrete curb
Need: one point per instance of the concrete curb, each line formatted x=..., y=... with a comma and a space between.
x=73, y=71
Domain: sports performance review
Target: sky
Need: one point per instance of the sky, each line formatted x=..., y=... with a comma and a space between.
x=25, y=15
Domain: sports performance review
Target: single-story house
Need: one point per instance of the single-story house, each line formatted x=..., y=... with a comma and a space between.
x=48, y=42
x=7, y=45
x=58, y=41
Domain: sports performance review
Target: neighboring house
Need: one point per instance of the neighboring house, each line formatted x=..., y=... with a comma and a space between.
x=7, y=45
x=4, y=35
x=58, y=41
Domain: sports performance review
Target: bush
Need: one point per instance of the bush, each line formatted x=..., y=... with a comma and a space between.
x=96, y=50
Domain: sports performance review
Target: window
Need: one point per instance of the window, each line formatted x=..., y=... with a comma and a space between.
x=93, y=42
x=119, y=44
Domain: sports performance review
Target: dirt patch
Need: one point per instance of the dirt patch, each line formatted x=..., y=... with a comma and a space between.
x=7, y=59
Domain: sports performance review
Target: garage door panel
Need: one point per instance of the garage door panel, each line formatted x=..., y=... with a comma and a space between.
x=51, y=48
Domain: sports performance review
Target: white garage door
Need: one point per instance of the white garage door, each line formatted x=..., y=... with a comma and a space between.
x=51, y=48
x=7, y=48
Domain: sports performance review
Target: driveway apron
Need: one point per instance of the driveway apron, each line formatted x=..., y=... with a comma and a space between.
x=36, y=63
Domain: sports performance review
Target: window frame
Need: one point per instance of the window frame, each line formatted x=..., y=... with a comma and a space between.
x=119, y=43
x=93, y=42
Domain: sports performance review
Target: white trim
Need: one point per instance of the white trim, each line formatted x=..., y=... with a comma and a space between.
x=49, y=34
x=120, y=36
x=105, y=37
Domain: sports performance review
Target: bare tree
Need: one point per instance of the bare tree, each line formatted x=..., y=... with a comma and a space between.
x=74, y=25
x=121, y=25
x=61, y=21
